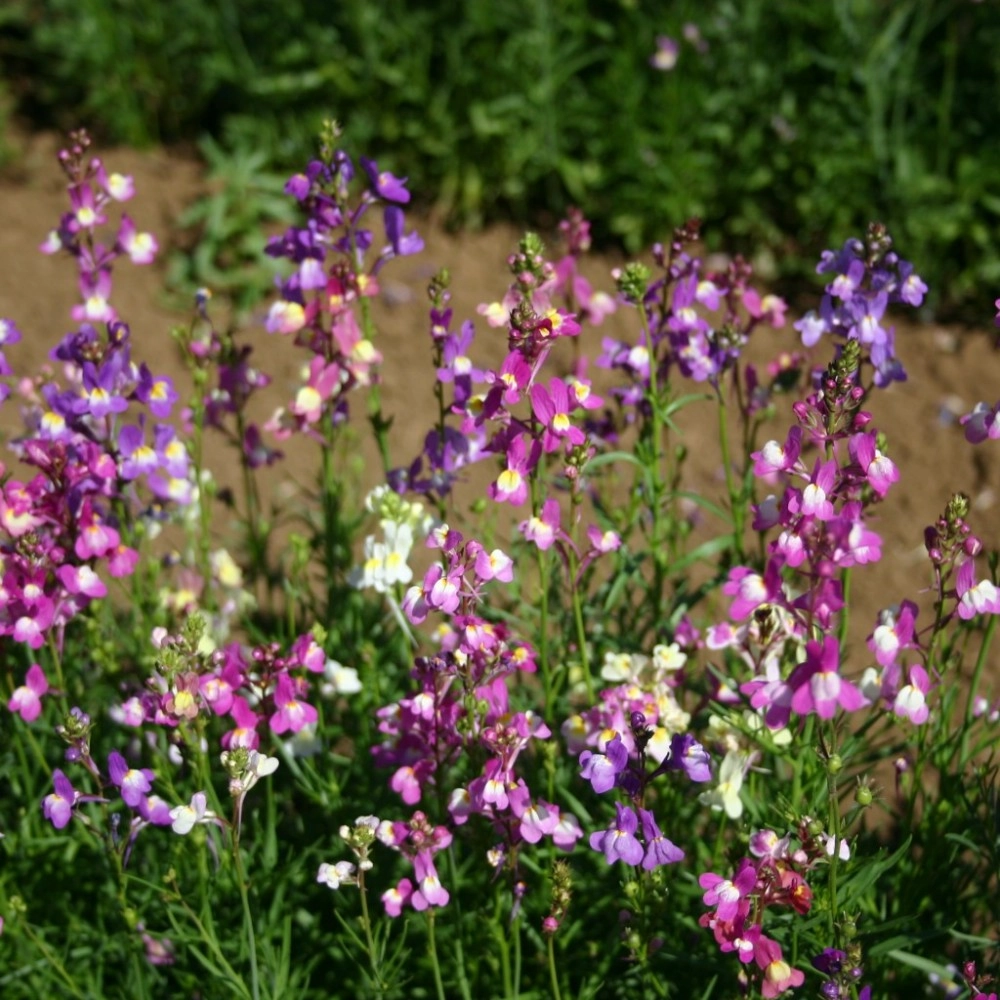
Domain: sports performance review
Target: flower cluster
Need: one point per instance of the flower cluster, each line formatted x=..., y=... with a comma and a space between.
x=867, y=277
x=334, y=274
x=695, y=322
x=93, y=439
x=251, y=688
x=773, y=875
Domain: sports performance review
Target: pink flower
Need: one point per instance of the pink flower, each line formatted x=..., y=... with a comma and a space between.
x=817, y=684
x=290, y=713
x=911, y=699
x=543, y=530
x=726, y=895
x=779, y=976
x=552, y=408
x=975, y=598
x=879, y=470
x=511, y=485
x=893, y=633
x=140, y=247
x=27, y=699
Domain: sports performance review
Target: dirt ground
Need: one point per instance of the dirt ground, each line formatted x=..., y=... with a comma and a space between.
x=949, y=369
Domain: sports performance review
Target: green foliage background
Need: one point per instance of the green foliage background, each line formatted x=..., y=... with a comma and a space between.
x=796, y=124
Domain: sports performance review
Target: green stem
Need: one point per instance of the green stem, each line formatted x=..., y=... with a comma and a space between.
x=432, y=948
x=366, y=923
x=833, y=803
x=581, y=630
x=735, y=495
x=553, y=977
x=247, y=917
x=656, y=473
x=977, y=673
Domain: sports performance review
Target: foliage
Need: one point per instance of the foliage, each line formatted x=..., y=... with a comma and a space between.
x=595, y=746
x=873, y=108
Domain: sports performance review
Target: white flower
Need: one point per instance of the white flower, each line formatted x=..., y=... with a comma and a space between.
x=185, y=818
x=843, y=848
x=334, y=876
x=726, y=795
x=668, y=658
x=339, y=679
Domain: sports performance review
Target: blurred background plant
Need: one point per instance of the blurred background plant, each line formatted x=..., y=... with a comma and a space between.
x=782, y=125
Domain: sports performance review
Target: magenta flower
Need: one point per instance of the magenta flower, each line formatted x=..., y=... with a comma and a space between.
x=27, y=699
x=81, y=580
x=975, y=598
x=618, y=841
x=430, y=891
x=814, y=501
x=774, y=457
x=893, y=633
x=779, y=976
x=817, y=684
x=552, y=408
x=140, y=247
x=911, y=699
x=58, y=805
x=95, y=289
x=511, y=485
x=543, y=529
x=290, y=713
x=879, y=470
x=726, y=894
x=751, y=590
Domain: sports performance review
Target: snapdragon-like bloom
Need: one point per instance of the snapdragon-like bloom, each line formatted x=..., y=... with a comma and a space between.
x=336, y=875
x=975, y=598
x=618, y=841
x=817, y=684
x=726, y=894
x=185, y=818
x=911, y=699
x=26, y=700
x=58, y=805
x=134, y=783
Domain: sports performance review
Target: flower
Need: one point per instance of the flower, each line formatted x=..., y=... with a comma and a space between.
x=27, y=699
x=726, y=795
x=185, y=818
x=57, y=806
x=336, y=875
x=618, y=841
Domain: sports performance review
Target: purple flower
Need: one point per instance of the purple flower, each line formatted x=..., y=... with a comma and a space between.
x=403, y=245
x=58, y=805
x=665, y=56
x=602, y=769
x=133, y=782
x=659, y=850
x=386, y=185
x=688, y=755
x=619, y=842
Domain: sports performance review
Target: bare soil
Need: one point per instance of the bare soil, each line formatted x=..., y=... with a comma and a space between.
x=950, y=369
